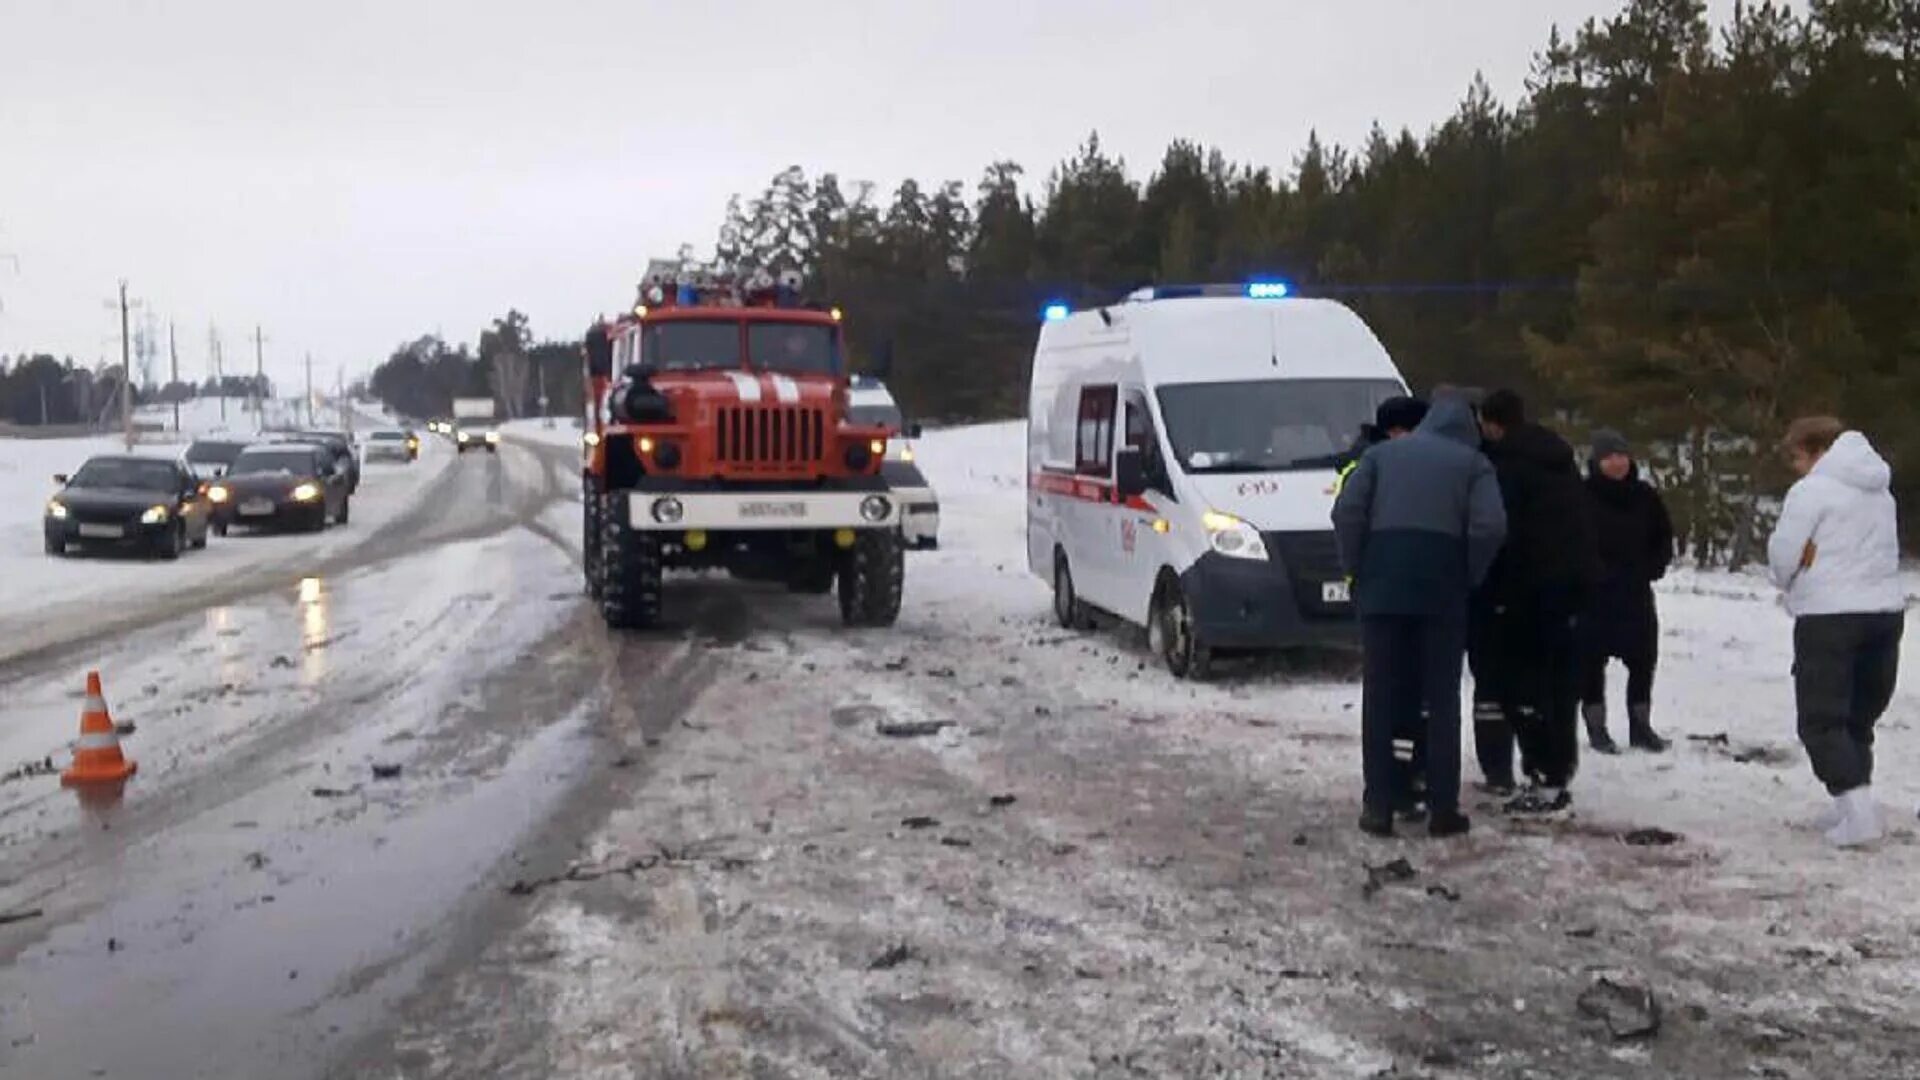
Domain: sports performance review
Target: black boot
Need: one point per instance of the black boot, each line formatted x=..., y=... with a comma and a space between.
x=1376, y=822
x=1445, y=823
x=1597, y=734
x=1640, y=729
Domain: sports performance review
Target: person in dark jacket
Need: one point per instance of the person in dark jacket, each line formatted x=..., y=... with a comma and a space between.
x=1396, y=418
x=1418, y=522
x=1540, y=587
x=1635, y=538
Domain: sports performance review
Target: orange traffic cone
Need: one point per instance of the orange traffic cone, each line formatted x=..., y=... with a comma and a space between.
x=96, y=757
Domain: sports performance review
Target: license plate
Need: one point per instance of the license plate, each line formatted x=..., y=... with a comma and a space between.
x=1336, y=592
x=256, y=508
x=104, y=532
x=772, y=510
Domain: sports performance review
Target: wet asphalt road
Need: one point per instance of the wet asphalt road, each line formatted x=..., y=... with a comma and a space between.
x=255, y=900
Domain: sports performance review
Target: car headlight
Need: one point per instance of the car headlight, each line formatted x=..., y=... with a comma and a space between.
x=56, y=510
x=493, y=436
x=875, y=508
x=906, y=453
x=217, y=494
x=154, y=515
x=306, y=492
x=1232, y=537
x=668, y=510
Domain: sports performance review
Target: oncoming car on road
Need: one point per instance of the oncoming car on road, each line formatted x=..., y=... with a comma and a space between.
x=872, y=403
x=288, y=485
x=402, y=446
x=208, y=459
x=127, y=501
x=474, y=438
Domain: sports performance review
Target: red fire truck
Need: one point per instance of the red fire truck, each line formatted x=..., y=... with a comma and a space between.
x=717, y=437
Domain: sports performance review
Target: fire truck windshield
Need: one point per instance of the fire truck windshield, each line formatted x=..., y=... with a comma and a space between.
x=690, y=346
x=685, y=345
x=793, y=347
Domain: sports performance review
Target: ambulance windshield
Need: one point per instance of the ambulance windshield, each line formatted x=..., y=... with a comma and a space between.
x=1270, y=425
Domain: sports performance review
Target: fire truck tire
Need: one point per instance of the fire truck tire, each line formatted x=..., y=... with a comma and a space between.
x=590, y=503
x=630, y=575
x=872, y=577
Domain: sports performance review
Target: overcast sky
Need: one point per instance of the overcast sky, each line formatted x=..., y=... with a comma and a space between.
x=353, y=173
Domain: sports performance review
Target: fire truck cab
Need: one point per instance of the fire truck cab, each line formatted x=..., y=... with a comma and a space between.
x=718, y=437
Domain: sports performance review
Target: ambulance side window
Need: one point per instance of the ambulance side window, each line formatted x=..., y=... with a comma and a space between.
x=1094, y=453
x=1140, y=436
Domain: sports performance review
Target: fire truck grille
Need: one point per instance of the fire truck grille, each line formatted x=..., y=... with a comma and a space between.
x=771, y=436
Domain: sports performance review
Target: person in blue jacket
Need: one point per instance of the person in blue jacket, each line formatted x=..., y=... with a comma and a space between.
x=1419, y=522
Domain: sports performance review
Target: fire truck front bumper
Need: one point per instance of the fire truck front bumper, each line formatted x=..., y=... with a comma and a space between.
x=654, y=511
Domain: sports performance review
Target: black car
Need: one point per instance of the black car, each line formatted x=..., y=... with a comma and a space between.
x=285, y=485
x=125, y=501
x=341, y=444
x=210, y=458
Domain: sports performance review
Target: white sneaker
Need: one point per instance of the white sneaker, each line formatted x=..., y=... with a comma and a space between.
x=1859, y=822
x=1832, y=816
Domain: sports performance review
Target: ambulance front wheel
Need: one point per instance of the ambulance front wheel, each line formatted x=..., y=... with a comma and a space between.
x=1172, y=635
x=1068, y=609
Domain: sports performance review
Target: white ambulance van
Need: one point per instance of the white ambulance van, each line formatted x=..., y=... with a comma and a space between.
x=1182, y=450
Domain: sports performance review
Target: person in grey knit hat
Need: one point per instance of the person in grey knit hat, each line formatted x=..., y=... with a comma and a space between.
x=1635, y=536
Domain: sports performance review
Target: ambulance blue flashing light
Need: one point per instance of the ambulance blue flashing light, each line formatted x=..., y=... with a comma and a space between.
x=1267, y=290
x=1056, y=312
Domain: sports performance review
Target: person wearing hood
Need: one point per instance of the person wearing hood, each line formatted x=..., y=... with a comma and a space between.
x=1418, y=522
x=1539, y=588
x=1635, y=537
x=1835, y=555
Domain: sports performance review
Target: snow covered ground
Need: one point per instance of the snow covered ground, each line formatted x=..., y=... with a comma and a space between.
x=1094, y=870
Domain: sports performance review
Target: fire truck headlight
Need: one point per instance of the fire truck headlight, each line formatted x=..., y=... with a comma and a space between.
x=668, y=510
x=875, y=508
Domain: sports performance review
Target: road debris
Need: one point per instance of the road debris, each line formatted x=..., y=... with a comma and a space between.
x=43, y=767
x=333, y=792
x=1651, y=838
x=892, y=958
x=1445, y=892
x=256, y=860
x=662, y=856
x=1629, y=1011
x=1718, y=738
x=920, y=821
x=1002, y=800
x=1396, y=872
x=911, y=729
x=284, y=663
x=386, y=772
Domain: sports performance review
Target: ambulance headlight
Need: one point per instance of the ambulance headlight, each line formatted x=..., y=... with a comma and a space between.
x=1232, y=537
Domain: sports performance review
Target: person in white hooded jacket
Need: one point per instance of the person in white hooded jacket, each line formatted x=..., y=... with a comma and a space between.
x=1835, y=554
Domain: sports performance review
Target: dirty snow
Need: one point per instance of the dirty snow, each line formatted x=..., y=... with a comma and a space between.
x=1176, y=886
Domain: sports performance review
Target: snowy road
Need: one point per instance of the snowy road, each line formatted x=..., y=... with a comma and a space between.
x=692, y=853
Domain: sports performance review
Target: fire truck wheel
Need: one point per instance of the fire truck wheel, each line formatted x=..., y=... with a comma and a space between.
x=590, y=540
x=630, y=575
x=871, y=578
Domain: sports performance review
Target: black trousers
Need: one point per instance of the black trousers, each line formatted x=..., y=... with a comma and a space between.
x=1844, y=669
x=1412, y=666
x=1487, y=651
x=1623, y=627
x=1543, y=671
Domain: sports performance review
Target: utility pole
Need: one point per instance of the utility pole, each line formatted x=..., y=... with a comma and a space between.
x=173, y=385
x=310, y=390
x=259, y=378
x=219, y=380
x=126, y=371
